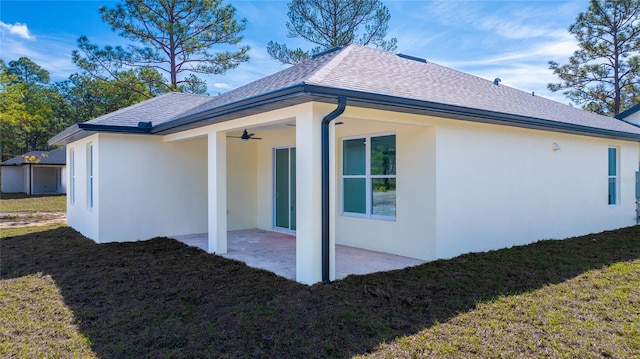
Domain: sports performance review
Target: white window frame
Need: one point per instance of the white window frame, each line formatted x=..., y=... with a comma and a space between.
x=615, y=178
x=367, y=176
x=90, y=182
x=72, y=174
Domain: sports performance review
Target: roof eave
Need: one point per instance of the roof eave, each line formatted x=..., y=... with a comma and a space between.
x=470, y=114
x=248, y=103
x=62, y=137
x=628, y=112
x=81, y=130
x=360, y=98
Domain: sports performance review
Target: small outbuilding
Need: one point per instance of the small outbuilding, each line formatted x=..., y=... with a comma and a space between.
x=35, y=172
x=358, y=147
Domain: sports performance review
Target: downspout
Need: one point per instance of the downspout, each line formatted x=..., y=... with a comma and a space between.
x=342, y=103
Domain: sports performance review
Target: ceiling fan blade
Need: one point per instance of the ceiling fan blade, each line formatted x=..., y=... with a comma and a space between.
x=255, y=138
x=234, y=136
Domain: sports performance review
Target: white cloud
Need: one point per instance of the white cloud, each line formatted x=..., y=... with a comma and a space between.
x=17, y=29
x=51, y=53
x=557, y=49
x=516, y=30
x=221, y=85
x=260, y=65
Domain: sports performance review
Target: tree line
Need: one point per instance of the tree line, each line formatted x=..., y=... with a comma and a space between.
x=172, y=42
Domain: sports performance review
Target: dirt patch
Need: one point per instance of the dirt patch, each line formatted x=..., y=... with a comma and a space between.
x=28, y=219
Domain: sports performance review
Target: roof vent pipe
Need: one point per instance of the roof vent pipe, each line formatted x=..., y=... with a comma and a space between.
x=497, y=81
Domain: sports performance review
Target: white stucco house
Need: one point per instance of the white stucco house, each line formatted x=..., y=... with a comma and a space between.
x=359, y=147
x=35, y=172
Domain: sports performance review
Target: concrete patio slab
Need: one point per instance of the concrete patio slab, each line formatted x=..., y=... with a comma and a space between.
x=276, y=252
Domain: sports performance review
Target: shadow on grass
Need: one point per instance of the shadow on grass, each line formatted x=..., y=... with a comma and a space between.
x=160, y=298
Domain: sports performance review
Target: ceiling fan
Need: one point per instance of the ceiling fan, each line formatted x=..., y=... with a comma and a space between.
x=294, y=125
x=246, y=136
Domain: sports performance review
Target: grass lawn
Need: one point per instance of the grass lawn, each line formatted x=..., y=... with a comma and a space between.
x=61, y=295
x=10, y=202
x=13, y=232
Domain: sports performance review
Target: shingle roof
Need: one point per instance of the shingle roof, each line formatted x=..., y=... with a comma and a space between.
x=55, y=157
x=369, y=70
x=156, y=110
x=291, y=76
x=361, y=72
x=376, y=71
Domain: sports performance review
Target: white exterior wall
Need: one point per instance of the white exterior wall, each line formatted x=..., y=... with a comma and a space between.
x=79, y=216
x=12, y=179
x=634, y=118
x=412, y=233
x=46, y=179
x=63, y=180
x=151, y=188
x=461, y=186
x=502, y=186
x=464, y=186
x=143, y=187
x=242, y=184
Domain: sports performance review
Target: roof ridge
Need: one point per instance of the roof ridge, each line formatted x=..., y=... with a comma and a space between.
x=323, y=71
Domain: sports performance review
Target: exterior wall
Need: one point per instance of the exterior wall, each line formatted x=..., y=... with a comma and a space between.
x=79, y=216
x=242, y=184
x=501, y=186
x=12, y=179
x=143, y=187
x=634, y=118
x=412, y=233
x=461, y=186
x=151, y=188
x=62, y=188
x=47, y=179
x=26, y=182
x=466, y=186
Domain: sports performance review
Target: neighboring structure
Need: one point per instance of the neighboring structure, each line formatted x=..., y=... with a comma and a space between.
x=35, y=172
x=427, y=162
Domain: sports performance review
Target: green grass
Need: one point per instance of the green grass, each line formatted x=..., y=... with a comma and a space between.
x=13, y=232
x=594, y=315
x=574, y=298
x=22, y=203
x=33, y=304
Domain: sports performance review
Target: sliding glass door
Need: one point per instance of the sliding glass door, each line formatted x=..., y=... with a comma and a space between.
x=284, y=191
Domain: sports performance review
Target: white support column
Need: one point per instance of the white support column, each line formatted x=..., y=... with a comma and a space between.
x=308, y=201
x=217, y=188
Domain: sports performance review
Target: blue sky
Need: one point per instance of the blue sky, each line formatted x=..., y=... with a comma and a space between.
x=512, y=40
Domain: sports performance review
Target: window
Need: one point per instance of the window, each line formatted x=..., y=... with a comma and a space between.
x=72, y=174
x=369, y=176
x=613, y=176
x=90, y=175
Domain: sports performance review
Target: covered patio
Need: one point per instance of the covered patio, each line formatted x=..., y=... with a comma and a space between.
x=276, y=252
